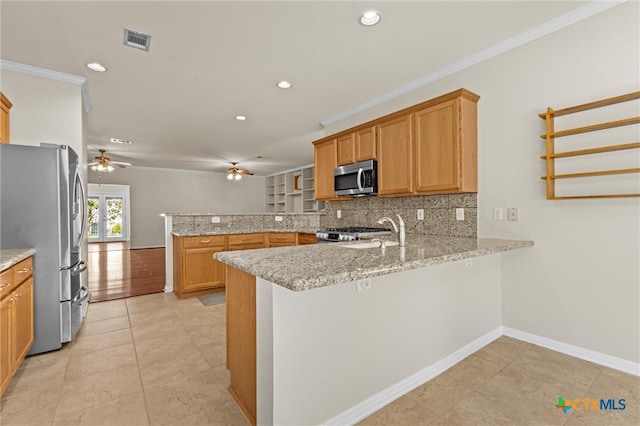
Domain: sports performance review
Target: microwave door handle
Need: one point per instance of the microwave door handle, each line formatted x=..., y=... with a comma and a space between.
x=359, y=179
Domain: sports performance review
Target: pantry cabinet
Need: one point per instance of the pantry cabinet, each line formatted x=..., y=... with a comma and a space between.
x=16, y=319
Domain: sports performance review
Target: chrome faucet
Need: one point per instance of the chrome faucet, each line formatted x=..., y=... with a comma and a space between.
x=399, y=232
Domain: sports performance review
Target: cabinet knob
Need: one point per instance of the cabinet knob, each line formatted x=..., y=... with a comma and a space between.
x=3, y=286
x=17, y=297
x=24, y=270
x=205, y=241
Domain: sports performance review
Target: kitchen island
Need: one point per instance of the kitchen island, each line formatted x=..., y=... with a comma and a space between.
x=326, y=334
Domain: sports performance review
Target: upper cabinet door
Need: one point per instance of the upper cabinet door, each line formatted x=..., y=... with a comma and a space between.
x=437, y=147
x=5, y=106
x=395, y=156
x=446, y=148
x=325, y=161
x=366, y=144
x=346, y=150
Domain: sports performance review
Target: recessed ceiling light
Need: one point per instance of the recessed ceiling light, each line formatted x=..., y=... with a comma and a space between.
x=284, y=84
x=117, y=140
x=370, y=17
x=96, y=67
x=240, y=117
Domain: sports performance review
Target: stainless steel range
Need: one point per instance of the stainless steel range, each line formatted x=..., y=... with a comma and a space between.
x=350, y=234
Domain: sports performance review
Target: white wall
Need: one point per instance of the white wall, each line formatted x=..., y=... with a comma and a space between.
x=45, y=110
x=157, y=191
x=580, y=284
x=402, y=328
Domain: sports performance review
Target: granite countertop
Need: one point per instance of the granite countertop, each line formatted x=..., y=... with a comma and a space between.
x=8, y=258
x=223, y=230
x=300, y=268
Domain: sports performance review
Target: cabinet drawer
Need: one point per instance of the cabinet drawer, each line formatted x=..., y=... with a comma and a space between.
x=241, y=240
x=22, y=271
x=6, y=282
x=282, y=238
x=204, y=241
x=307, y=239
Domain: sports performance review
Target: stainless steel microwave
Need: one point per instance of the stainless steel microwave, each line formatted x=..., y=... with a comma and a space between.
x=357, y=179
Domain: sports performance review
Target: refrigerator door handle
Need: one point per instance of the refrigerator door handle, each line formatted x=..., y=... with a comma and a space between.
x=83, y=206
x=80, y=268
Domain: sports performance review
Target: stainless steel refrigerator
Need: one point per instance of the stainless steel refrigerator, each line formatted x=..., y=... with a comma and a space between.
x=43, y=206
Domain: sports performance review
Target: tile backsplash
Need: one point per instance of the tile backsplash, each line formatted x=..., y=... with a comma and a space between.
x=439, y=216
x=439, y=213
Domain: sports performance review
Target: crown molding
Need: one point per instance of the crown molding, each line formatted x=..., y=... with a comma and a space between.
x=535, y=33
x=51, y=75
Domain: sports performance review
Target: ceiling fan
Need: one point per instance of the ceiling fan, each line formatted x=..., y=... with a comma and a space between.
x=236, y=173
x=104, y=164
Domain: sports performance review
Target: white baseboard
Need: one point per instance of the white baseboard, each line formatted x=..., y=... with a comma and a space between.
x=379, y=400
x=369, y=406
x=576, y=351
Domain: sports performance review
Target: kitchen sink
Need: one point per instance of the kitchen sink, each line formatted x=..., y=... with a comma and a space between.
x=370, y=244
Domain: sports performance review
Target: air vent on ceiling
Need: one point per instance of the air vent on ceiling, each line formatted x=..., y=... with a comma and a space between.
x=138, y=40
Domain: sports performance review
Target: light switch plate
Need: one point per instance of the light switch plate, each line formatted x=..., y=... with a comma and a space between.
x=215, y=219
x=497, y=213
x=459, y=214
x=420, y=214
x=278, y=218
x=338, y=214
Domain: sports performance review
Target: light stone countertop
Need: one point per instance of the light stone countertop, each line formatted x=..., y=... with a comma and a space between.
x=10, y=257
x=300, y=268
x=225, y=230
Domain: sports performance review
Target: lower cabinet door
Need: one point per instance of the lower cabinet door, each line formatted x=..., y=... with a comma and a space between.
x=23, y=319
x=200, y=270
x=6, y=334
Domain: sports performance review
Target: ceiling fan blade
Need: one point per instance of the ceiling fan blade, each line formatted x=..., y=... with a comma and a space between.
x=244, y=172
x=95, y=163
x=119, y=164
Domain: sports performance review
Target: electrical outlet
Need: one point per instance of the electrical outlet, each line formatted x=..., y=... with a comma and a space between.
x=420, y=214
x=215, y=219
x=460, y=214
x=497, y=213
x=468, y=262
x=364, y=284
x=278, y=218
x=338, y=214
x=513, y=213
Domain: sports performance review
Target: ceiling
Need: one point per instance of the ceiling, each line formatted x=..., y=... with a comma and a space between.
x=211, y=60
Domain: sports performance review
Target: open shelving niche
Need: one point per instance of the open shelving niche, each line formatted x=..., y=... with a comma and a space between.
x=595, y=151
x=292, y=191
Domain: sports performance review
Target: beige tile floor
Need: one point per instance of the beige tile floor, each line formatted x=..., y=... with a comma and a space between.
x=152, y=360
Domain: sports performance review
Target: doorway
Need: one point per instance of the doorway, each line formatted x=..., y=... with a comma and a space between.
x=106, y=214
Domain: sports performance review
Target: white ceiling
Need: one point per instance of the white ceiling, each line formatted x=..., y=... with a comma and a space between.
x=210, y=61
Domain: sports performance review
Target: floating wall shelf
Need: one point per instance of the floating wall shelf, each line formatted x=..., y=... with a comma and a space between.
x=551, y=155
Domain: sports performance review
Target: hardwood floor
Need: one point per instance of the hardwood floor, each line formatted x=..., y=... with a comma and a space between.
x=115, y=271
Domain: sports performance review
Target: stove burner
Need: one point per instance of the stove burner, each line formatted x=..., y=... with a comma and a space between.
x=350, y=233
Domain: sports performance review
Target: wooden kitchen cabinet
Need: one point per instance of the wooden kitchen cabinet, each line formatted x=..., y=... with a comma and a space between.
x=304, y=239
x=346, y=149
x=16, y=320
x=445, y=146
x=428, y=148
x=325, y=161
x=365, y=144
x=5, y=122
x=195, y=272
x=246, y=241
x=282, y=239
x=395, y=156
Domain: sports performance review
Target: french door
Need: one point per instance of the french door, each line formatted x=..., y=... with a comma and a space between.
x=106, y=217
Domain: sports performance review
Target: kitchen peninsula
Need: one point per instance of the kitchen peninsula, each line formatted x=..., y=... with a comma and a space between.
x=327, y=334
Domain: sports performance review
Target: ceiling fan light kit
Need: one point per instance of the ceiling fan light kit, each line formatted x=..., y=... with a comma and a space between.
x=104, y=164
x=234, y=173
